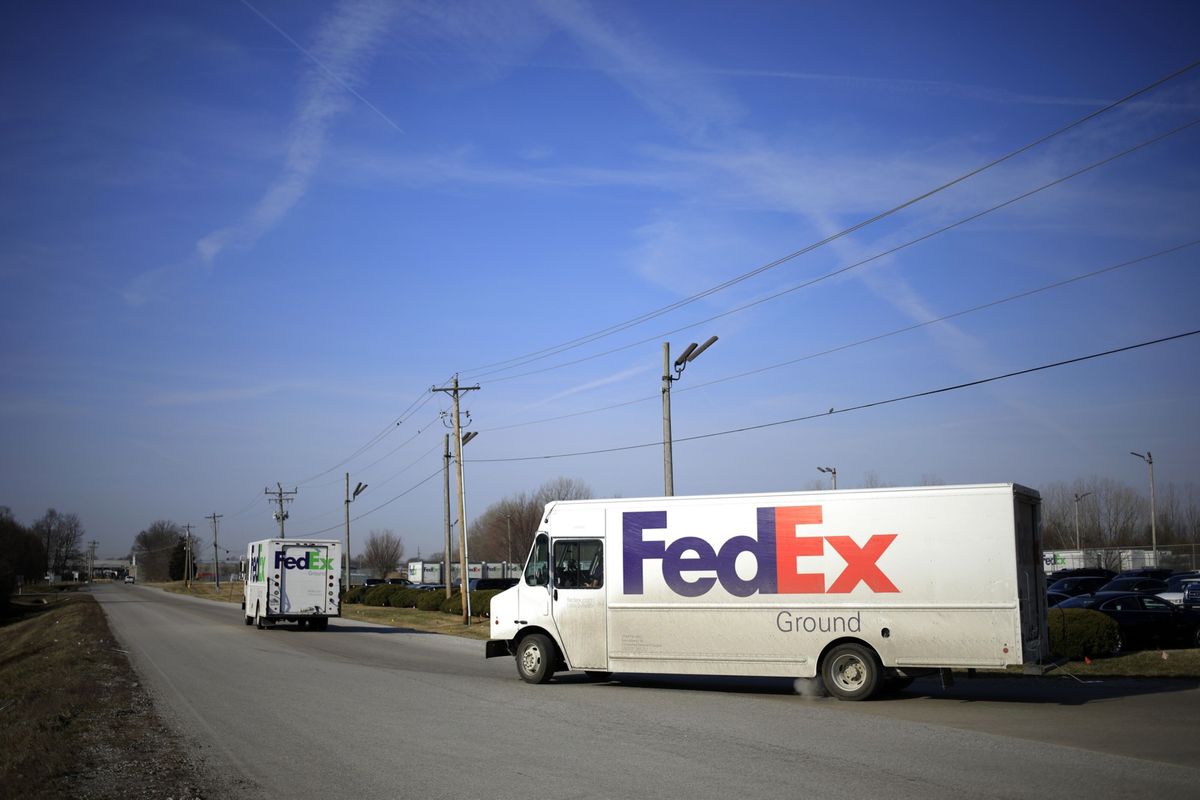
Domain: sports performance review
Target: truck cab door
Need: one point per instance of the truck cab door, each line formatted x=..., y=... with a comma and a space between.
x=578, y=602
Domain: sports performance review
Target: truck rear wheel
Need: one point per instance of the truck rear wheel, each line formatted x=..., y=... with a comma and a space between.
x=319, y=623
x=535, y=657
x=851, y=672
x=259, y=622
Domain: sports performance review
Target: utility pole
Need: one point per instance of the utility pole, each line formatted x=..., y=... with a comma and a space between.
x=359, y=489
x=280, y=498
x=685, y=358
x=187, y=557
x=508, y=525
x=446, y=515
x=91, y=560
x=216, y=558
x=454, y=390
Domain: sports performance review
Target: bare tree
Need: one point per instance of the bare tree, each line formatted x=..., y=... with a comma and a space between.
x=871, y=480
x=60, y=535
x=154, y=548
x=505, y=530
x=383, y=553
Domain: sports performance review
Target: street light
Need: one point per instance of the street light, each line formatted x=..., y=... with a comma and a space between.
x=1149, y=459
x=359, y=489
x=1078, y=497
x=686, y=357
x=832, y=473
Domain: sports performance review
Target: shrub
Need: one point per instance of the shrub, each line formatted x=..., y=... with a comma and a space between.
x=431, y=600
x=406, y=597
x=378, y=595
x=354, y=595
x=481, y=603
x=1079, y=632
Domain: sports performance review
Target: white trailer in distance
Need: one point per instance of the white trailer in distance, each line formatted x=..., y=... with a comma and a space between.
x=293, y=580
x=867, y=588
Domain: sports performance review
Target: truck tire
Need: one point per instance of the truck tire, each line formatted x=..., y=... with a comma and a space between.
x=319, y=624
x=259, y=622
x=535, y=658
x=249, y=620
x=851, y=672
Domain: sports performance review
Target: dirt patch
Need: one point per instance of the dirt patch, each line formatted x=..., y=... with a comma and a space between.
x=74, y=719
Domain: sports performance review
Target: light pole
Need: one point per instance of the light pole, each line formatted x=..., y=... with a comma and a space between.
x=685, y=358
x=349, y=499
x=1149, y=459
x=832, y=474
x=1078, y=497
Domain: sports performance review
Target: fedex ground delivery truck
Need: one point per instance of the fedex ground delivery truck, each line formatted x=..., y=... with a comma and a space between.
x=293, y=580
x=867, y=588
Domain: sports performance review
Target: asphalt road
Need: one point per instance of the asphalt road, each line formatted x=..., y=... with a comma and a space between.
x=366, y=711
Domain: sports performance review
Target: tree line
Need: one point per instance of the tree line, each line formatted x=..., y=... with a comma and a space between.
x=1115, y=515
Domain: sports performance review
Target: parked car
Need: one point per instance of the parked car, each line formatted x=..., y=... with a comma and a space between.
x=398, y=581
x=1054, y=598
x=1078, y=585
x=1148, y=572
x=1148, y=585
x=1080, y=572
x=480, y=584
x=1191, y=594
x=1145, y=620
x=369, y=582
x=129, y=579
x=1176, y=585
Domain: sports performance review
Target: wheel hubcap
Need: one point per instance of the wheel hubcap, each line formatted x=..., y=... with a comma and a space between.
x=849, y=672
x=531, y=659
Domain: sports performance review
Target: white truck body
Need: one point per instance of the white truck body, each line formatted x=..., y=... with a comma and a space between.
x=293, y=580
x=861, y=586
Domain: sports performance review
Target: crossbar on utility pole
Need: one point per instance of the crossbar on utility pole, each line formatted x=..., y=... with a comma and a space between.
x=454, y=390
x=280, y=498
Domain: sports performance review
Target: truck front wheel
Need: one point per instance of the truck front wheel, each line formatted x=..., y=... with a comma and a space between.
x=851, y=672
x=535, y=656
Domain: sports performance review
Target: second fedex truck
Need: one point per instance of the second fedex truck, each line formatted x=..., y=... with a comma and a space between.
x=866, y=588
x=293, y=580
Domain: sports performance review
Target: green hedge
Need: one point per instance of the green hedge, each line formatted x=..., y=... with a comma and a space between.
x=481, y=603
x=389, y=596
x=1079, y=632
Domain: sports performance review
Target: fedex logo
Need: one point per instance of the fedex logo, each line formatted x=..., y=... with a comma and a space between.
x=776, y=551
x=310, y=560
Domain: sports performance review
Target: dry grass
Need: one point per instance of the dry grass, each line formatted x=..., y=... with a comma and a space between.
x=73, y=719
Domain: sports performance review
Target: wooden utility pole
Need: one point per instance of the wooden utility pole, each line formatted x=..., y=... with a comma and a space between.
x=187, y=556
x=216, y=558
x=454, y=390
x=280, y=498
x=446, y=514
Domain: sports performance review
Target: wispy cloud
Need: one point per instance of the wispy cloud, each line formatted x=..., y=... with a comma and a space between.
x=345, y=43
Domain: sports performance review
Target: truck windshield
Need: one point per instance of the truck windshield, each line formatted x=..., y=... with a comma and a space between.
x=537, y=571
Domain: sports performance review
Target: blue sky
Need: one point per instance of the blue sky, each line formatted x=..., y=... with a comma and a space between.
x=240, y=239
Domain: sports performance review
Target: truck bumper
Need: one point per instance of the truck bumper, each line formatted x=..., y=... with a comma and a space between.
x=496, y=648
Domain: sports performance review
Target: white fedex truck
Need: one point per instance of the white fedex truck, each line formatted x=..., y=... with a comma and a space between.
x=293, y=580
x=868, y=588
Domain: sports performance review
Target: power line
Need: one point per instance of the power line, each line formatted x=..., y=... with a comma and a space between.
x=877, y=337
x=573, y=343
x=842, y=270
x=861, y=407
x=407, y=491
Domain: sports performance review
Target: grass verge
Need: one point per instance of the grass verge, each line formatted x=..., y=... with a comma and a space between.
x=429, y=621
x=73, y=718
